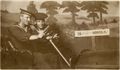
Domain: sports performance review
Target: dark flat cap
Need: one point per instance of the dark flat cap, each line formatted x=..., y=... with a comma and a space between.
x=26, y=12
x=40, y=16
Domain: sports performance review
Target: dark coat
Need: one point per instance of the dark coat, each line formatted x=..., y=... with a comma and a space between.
x=19, y=38
x=42, y=44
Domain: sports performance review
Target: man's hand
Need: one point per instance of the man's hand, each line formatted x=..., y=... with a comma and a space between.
x=49, y=37
x=56, y=36
x=41, y=34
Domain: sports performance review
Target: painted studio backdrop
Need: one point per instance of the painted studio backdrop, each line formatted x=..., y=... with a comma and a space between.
x=59, y=47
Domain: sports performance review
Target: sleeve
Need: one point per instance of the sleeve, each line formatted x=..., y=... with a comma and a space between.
x=19, y=34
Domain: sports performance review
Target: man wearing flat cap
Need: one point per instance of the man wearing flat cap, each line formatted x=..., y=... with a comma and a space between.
x=21, y=38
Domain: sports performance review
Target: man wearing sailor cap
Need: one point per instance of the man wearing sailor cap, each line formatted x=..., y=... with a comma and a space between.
x=20, y=38
x=45, y=56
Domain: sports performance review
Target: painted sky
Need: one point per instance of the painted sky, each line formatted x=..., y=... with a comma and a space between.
x=14, y=6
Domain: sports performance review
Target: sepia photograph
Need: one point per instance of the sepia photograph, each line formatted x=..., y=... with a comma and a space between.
x=59, y=34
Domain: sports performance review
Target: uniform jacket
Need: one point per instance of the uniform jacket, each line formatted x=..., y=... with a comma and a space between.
x=19, y=38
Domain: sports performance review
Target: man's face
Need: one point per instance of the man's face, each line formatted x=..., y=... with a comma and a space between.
x=25, y=19
x=32, y=21
x=40, y=23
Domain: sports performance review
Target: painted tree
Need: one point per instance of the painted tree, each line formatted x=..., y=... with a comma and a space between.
x=91, y=8
x=71, y=6
x=93, y=15
x=51, y=8
x=102, y=8
x=31, y=7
